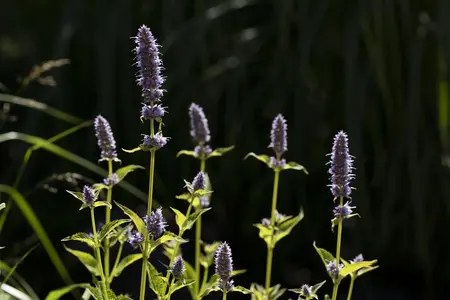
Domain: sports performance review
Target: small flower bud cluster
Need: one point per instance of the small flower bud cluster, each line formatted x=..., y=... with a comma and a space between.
x=199, y=130
x=156, y=224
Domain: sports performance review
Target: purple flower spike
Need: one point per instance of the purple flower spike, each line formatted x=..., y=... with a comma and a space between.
x=199, y=124
x=155, y=112
x=343, y=211
x=149, y=77
x=135, y=238
x=89, y=194
x=178, y=267
x=105, y=138
x=113, y=180
x=333, y=270
x=156, y=224
x=199, y=182
x=156, y=142
x=341, y=167
x=278, y=135
x=224, y=266
x=358, y=258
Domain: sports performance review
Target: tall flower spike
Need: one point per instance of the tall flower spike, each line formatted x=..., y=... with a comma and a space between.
x=89, y=194
x=224, y=266
x=341, y=166
x=105, y=138
x=199, y=124
x=149, y=77
x=156, y=224
x=278, y=135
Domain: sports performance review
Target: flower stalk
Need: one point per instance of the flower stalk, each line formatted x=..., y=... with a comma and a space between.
x=98, y=255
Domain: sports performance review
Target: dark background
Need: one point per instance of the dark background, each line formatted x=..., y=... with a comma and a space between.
x=375, y=68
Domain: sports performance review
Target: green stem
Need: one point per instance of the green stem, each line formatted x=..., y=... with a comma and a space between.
x=170, y=293
x=205, y=278
x=198, y=234
x=98, y=255
x=224, y=297
x=107, y=220
x=177, y=244
x=350, y=289
x=149, y=210
x=270, y=247
x=338, y=252
x=118, y=257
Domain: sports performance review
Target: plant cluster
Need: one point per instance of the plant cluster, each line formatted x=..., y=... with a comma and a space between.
x=147, y=233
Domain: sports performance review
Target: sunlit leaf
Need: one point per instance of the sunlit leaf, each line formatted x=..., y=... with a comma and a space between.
x=107, y=228
x=354, y=267
x=264, y=158
x=294, y=166
x=220, y=151
x=158, y=283
x=241, y=290
x=132, y=150
x=77, y=195
x=186, y=152
x=81, y=237
x=138, y=222
x=193, y=218
x=179, y=284
x=86, y=259
x=125, y=262
x=324, y=255
x=286, y=227
x=101, y=203
x=57, y=294
x=124, y=171
x=180, y=218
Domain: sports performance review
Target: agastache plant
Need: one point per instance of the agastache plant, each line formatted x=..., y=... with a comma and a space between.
x=111, y=233
x=279, y=226
x=341, y=171
x=150, y=80
x=201, y=136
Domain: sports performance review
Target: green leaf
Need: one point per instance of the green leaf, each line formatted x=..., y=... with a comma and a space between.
x=264, y=232
x=264, y=158
x=324, y=255
x=295, y=166
x=167, y=237
x=124, y=171
x=81, y=237
x=241, y=290
x=210, y=250
x=125, y=262
x=99, y=186
x=77, y=195
x=132, y=150
x=179, y=217
x=316, y=287
x=190, y=275
x=365, y=270
x=101, y=203
x=179, y=284
x=2, y=205
x=138, y=222
x=86, y=259
x=354, y=267
x=186, y=152
x=193, y=218
x=220, y=151
x=286, y=227
x=34, y=222
x=157, y=282
x=107, y=228
x=57, y=294
x=124, y=297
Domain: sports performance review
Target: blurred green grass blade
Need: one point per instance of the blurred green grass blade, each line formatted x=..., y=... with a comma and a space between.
x=42, y=107
x=27, y=157
x=13, y=269
x=18, y=280
x=63, y=153
x=15, y=293
x=443, y=105
x=34, y=222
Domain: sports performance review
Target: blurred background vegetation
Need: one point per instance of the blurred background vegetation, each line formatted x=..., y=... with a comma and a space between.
x=375, y=68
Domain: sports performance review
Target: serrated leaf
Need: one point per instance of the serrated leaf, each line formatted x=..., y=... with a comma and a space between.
x=264, y=158
x=107, y=228
x=81, y=237
x=316, y=287
x=124, y=171
x=167, y=237
x=365, y=270
x=295, y=166
x=58, y=293
x=132, y=150
x=99, y=186
x=193, y=218
x=125, y=262
x=240, y=289
x=354, y=267
x=77, y=195
x=286, y=227
x=324, y=255
x=180, y=218
x=179, y=284
x=86, y=259
x=101, y=203
x=157, y=282
x=186, y=152
x=138, y=222
x=220, y=151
